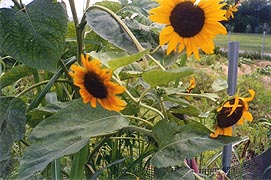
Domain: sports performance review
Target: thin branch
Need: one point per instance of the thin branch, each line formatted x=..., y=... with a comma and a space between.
x=39, y=84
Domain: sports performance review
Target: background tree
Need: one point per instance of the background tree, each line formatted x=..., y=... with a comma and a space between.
x=251, y=16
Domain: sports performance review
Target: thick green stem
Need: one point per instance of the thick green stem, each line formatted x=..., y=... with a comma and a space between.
x=143, y=94
x=196, y=95
x=152, y=109
x=74, y=14
x=156, y=62
x=79, y=31
x=163, y=107
x=17, y=4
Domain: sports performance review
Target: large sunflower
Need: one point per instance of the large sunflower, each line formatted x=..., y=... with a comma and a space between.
x=189, y=25
x=233, y=111
x=95, y=85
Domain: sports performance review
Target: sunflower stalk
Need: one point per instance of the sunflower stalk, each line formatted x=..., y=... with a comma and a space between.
x=79, y=30
x=139, y=119
x=152, y=109
x=196, y=95
x=163, y=107
x=138, y=129
x=143, y=94
x=156, y=62
x=40, y=84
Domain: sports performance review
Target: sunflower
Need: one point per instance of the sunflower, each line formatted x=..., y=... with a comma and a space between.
x=189, y=24
x=192, y=85
x=233, y=111
x=231, y=9
x=95, y=85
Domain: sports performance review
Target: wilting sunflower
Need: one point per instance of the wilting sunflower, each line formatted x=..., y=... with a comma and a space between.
x=231, y=9
x=95, y=84
x=233, y=111
x=189, y=24
x=192, y=85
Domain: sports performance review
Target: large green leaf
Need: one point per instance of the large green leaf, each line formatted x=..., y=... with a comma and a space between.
x=14, y=74
x=179, y=142
x=187, y=110
x=219, y=85
x=108, y=55
x=108, y=28
x=66, y=132
x=159, y=78
x=119, y=62
x=35, y=35
x=12, y=128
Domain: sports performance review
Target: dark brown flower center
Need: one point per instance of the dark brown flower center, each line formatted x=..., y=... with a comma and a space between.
x=187, y=19
x=224, y=121
x=95, y=86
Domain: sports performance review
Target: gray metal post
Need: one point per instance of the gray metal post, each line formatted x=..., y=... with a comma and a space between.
x=233, y=53
x=263, y=41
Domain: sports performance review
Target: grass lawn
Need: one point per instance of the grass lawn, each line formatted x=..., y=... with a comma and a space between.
x=248, y=42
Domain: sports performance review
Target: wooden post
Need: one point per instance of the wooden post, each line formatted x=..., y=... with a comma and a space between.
x=233, y=53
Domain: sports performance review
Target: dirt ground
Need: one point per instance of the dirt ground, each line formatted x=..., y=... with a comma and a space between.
x=249, y=68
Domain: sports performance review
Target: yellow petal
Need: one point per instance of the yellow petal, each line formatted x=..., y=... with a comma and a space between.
x=247, y=116
x=252, y=94
x=165, y=35
x=240, y=121
x=236, y=102
x=227, y=131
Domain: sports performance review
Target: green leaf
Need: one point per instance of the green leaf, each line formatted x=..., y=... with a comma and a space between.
x=78, y=163
x=176, y=99
x=106, y=56
x=109, y=29
x=119, y=62
x=211, y=96
x=14, y=74
x=179, y=142
x=66, y=132
x=56, y=170
x=219, y=85
x=12, y=123
x=99, y=172
x=12, y=128
x=34, y=36
x=159, y=78
x=188, y=110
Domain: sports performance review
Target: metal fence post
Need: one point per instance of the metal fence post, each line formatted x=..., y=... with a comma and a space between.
x=233, y=53
x=263, y=41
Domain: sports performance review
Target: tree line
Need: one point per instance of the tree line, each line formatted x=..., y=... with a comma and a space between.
x=253, y=16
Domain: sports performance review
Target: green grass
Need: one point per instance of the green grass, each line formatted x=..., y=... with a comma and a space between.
x=248, y=42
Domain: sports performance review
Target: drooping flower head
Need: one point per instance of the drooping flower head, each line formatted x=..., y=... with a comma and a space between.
x=95, y=84
x=192, y=85
x=232, y=112
x=189, y=24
